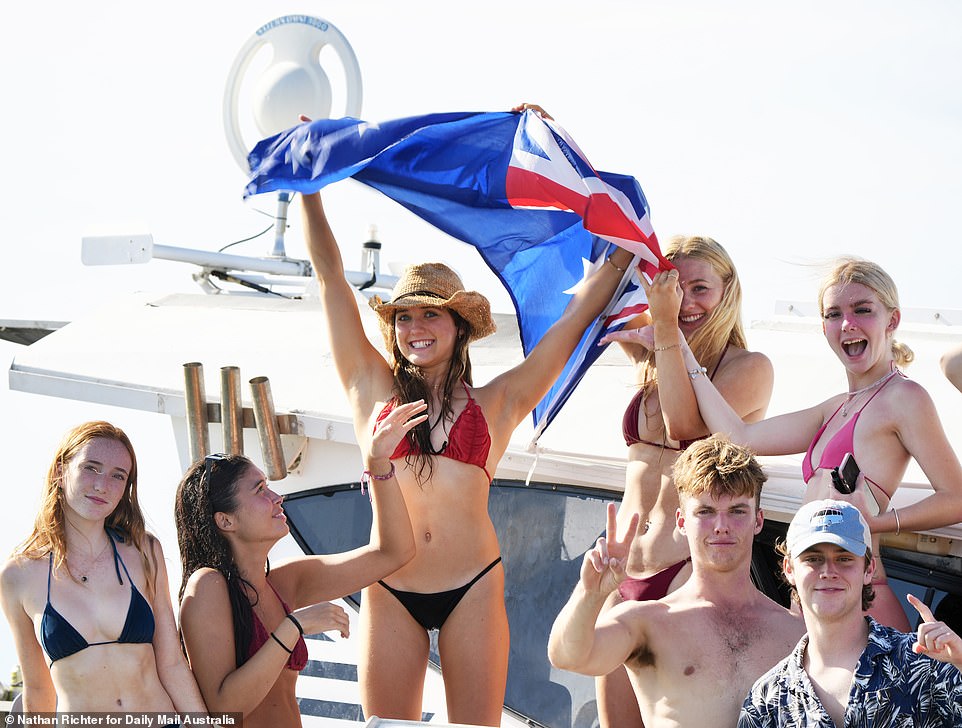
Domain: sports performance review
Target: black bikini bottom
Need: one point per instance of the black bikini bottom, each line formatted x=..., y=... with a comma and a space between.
x=431, y=611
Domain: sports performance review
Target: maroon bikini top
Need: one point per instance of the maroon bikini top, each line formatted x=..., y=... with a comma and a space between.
x=629, y=423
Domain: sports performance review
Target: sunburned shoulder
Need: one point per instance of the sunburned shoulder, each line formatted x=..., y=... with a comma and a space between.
x=909, y=387
x=904, y=397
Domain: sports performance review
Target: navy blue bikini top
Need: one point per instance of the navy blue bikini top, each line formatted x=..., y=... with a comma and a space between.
x=60, y=639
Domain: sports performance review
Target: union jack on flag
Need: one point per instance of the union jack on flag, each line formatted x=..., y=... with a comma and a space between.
x=514, y=186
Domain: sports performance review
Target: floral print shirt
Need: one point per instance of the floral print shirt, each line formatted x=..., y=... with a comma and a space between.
x=893, y=688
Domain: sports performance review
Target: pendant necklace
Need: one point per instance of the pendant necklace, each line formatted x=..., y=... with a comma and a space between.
x=89, y=566
x=852, y=395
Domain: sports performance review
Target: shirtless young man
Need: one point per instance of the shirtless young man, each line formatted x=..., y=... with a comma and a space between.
x=693, y=655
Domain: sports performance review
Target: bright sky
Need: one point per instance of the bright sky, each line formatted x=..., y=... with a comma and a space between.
x=789, y=134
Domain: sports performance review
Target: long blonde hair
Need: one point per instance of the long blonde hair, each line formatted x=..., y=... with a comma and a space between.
x=723, y=326
x=126, y=520
x=850, y=269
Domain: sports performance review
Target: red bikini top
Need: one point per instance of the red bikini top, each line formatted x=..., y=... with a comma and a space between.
x=469, y=440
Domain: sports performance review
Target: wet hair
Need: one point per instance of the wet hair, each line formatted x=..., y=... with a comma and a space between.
x=126, y=521
x=716, y=466
x=868, y=592
x=723, y=326
x=850, y=269
x=410, y=385
x=202, y=492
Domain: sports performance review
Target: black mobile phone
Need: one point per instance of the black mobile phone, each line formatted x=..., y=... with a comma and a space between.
x=846, y=474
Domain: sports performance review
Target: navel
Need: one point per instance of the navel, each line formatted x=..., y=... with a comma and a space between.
x=427, y=536
x=690, y=670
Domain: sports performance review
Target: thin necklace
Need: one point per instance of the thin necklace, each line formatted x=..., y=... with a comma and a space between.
x=852, y=395
x=93, y=562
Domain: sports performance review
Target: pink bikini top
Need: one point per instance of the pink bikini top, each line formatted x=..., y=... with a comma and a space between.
x=841, y=442
x=298, y=658
x=469, y=440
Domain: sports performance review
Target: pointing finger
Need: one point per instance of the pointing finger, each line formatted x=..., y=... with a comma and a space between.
x=921, y=608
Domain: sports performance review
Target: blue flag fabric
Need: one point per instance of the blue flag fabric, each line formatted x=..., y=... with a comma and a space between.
x=513, y=185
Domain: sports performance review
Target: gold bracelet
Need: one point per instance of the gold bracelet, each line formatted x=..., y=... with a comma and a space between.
x=666, y=348
x=620, y=270
x=898, y=523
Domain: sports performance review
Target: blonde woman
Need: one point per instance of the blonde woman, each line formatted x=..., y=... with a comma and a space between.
x=701, y=299
x=882, y=421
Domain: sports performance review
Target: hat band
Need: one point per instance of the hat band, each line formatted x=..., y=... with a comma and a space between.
x=431, y=294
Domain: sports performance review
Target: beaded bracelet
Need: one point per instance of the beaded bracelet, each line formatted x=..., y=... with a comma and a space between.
x=296, y=623
x=367, y=476
x=283, y=646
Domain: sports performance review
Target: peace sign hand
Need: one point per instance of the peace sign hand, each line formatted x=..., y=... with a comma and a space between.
x=603, y=568
x=936, y=639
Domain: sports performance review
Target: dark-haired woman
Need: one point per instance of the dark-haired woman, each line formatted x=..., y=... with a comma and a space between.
x=91, y=582
x=242, y=623
x=455, y=582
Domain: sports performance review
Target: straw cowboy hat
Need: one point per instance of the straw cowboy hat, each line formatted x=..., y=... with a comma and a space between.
x=434, y=284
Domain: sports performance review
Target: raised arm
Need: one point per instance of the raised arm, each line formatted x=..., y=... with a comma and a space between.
x=744, y=382
x=39, y=695
x=363, y=371
x=523, y=386
x=331, y=576
x=309, y=582
x=578, y=641
x=782, y=435
x=175, y=675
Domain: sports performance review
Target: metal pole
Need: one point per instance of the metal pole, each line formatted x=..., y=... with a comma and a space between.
x=267, y=431
x=231, y=410
x=195, y=400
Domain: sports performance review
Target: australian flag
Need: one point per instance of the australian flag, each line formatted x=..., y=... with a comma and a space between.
x=513, y=185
